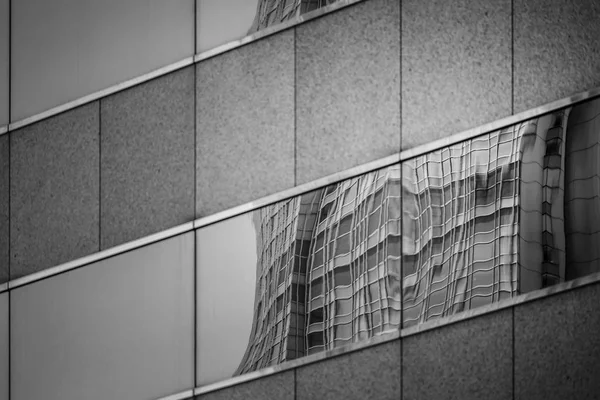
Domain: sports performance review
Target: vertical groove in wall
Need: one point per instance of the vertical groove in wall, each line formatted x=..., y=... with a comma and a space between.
x=512, y=56
x=194, y=318
x=295, y=108
x=295, y=383
x=99, y=174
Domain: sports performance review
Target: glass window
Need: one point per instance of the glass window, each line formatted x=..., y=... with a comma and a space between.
x=343, y=245
x=342, y=276
x=317, y=287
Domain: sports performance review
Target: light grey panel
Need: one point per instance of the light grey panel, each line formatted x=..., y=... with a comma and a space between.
x=348, y=88
x=557, y=346
x=4, y=349
x=4, y=61
x=4, y=208
x=556, y=50
x=275, y=387
x=65, y=49
x=245, y=116
x=372, y=373
x=147, y=157
x=456, y=66
x=121, y=328
x=466, y=360
x=54, y=191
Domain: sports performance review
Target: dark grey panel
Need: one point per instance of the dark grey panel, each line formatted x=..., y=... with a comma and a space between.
x=54, y=191
x=373, y=373
x=4, y=61
x=4, y=349
x=65, y=49
x=121, y=328
x=348, y=88
x=275, y=387
x=467, y=360
x=4, y=200
x=557, y=346
x=147, y=157
x=556, y=50
x=456, y=66
x=245, y=114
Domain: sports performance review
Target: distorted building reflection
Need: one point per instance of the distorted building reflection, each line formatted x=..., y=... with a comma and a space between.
x=273, y=12
x=328, y=269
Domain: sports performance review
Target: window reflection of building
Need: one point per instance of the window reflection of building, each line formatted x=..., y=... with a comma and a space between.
x=273, y=12
x=328, y=269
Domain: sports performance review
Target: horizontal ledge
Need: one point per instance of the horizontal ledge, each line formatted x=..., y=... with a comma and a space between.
x=113, y=251
x=178, y=65
x=3, y=287
x=179, y=396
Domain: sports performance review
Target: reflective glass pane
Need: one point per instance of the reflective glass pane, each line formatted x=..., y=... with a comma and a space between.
x=255, y=311
x=526, y=217
x=121, y=328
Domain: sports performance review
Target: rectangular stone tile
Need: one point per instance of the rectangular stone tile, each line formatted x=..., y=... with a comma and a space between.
x=147, y=158
x=245, y=124
x=471, y=359
x=557, y=346
x=348, y=88
x=273, y=387
x=372, y=373
x=556, y=50
x=456, y=66
x=54, y=188
x=4, y=200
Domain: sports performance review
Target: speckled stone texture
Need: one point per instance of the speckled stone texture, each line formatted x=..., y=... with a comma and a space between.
x=54, y=191
x=456, y=66
x=147, y=158
x=273, y=387
x=245, y=124
x=4, y=347
x=348, y=88
x=372, y=373
x=557, y=346
x=4, y=200
x=471, y=359
x=557, y=51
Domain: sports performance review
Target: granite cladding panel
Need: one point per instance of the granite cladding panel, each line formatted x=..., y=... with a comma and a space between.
x=372, y=373
x=556, y=50
x=456, y=66
x=245, y=124
x=557, y=346
x=4, y=200
x=147, y=158
x=348, y=88
x=471, y=359
x=54, y=191
x=272, y=387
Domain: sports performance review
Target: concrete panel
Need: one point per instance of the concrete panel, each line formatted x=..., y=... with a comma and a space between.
x=4, y=347
x=456, y=66
x=245, y=117
x=147, y=158
x=348, y=88
x=54, y=191
x=65, y=49
x=557, y=346
x=373, y=373
x=121, y=328
x=4, y=209
x=466, y=360
x=4, y=61
x=556, y=50
x=275, y=387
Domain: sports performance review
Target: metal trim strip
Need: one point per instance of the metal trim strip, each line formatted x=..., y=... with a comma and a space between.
x=179, y=396
x=3, y=287
x=3, y=129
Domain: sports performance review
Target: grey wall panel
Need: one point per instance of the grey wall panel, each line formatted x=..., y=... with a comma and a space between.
x=557, y=346
x=65, y=49
x=4, y=208
x=466, y=360
x=54, y=191
x=373, y=373
x=348, y=88
x=275, y=387
x=147, y=158
x=556, y=50
x=4, y=349
x=121, y=328
x=456, y=66
x=4, y=61
x=245, y=116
